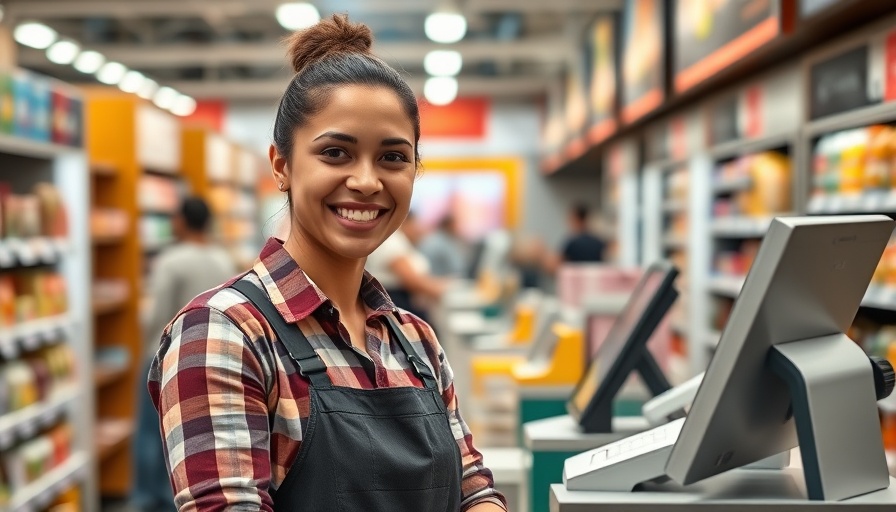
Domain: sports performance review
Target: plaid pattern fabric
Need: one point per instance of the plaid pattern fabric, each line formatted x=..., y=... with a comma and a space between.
x=233, y=406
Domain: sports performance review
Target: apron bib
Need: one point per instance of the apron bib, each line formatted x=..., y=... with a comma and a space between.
x=370, y=450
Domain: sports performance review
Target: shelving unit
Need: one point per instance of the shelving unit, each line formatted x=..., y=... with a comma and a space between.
x=129, y=142
x=620, y=204
x=226, y=176
x=668, y=223
x=24, y=164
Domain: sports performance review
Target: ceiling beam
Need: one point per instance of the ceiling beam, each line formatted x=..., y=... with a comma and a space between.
x=541, y=49
x=55, y=9
x=271, y=90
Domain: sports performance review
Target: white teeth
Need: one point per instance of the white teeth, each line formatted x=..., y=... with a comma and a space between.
x=358, y=215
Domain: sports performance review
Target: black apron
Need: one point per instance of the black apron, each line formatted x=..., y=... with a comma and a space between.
x=370, y=450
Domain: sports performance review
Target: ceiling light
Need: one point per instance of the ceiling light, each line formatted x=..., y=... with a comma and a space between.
x=183, y=105
x=148, y=89
x=35, y=35
x=445, y=27
x=296, y=16
x=132, y=81
x=443, y=63
x=111, y=73
x=63, y=52
x=165, y=98
x=440, y=90
x=89, y=62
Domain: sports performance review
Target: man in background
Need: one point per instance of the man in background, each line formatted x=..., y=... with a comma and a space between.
x=581, y=246
x=445, y=249
x=191, y=266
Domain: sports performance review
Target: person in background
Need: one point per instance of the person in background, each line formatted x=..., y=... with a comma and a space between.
x=581, y=246
x=445, y=249
x=298, y=385
x=180, y=273
x=404, y=271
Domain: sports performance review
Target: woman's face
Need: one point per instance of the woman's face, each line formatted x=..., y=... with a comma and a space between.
x=352, y=171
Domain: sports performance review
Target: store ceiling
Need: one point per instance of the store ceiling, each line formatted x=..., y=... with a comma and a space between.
x=232, y=49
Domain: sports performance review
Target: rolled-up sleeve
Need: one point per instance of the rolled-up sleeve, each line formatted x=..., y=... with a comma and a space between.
x=209, y=388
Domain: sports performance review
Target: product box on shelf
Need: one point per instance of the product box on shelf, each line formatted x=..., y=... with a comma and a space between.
x=66, y=119
x=41, y=107
x=7, y=102
x=23, y=116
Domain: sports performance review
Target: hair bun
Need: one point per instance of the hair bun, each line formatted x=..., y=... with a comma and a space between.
x=330, y=36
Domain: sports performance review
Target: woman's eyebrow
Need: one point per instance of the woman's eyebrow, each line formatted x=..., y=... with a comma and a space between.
x=338, y=136
x=396, y=141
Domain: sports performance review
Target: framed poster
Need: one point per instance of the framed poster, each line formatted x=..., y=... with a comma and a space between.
x=643, y=61
x=603, y=90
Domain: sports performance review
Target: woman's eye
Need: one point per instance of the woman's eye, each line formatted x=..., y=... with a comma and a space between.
x=395, y=157
x=333, y=153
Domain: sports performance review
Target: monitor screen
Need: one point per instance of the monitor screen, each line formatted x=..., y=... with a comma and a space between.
x=806, y=282
x=628, y=336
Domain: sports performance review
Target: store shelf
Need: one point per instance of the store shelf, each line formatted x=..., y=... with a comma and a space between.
x=881, y=113
x=732, y=185
x=675, y=243
x=173, y=174
x=39, y=494
x=107, y=239
x=675, y=206
x=878, y=201
x=105, y=170
x=728, y=286
x=111, y=435
x=738, y=148
x=740, y=227
x=33, y=334
x=105, y=374
x=11, y=145
x=27, y=422
x=28, y=252
x=880, y=297
x=106, y=306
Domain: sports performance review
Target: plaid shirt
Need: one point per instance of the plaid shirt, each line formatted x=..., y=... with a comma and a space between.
x=233, y=406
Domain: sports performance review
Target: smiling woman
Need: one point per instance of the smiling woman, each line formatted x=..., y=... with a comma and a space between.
x=268, y=386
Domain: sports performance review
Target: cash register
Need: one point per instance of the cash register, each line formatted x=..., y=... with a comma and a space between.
x=784, y=375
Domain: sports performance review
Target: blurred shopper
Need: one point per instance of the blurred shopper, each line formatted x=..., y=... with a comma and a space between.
x=181, y=272
x=239, y=366
x=445, y=249
x=581, y=246
x=404, y=271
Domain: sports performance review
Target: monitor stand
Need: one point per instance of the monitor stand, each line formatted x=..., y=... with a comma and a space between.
x=834, y=407
x=652, y=376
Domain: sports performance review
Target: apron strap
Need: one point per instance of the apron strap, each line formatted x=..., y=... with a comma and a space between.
x=420, y=367
x=300, y=349
x=310, y=364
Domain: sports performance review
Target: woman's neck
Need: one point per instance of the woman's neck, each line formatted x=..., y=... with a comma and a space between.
x=338, y=278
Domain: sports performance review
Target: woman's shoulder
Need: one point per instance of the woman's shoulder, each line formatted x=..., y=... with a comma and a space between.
x=225, y=303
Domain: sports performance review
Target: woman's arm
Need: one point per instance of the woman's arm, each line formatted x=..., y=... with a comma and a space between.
x=477, y=486
x=209, y=389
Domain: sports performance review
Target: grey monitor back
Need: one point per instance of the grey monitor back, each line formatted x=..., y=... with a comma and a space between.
x=807, y=281
x=541, y=349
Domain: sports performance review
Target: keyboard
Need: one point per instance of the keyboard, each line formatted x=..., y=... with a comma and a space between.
x=621, y=465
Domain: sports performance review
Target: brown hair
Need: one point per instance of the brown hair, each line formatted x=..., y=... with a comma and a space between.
x=329, y=54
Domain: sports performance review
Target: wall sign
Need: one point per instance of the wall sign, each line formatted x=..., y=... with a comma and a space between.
x=710, y=36
x=643, y=59
x=840, y=83
x=603, y=90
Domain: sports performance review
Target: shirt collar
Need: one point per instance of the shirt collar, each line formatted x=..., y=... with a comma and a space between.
x=295, y=296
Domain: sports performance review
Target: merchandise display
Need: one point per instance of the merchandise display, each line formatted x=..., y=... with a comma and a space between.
x=854, y=170
x=35, y=107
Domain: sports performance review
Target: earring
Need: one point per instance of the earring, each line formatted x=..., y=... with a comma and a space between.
x=280, y=186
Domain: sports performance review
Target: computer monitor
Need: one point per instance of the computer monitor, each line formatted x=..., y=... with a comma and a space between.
x=624, y=350
x=806, y=285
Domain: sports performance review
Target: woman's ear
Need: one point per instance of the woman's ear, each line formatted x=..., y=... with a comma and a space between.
x=279, y=168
